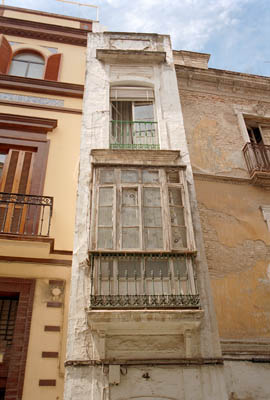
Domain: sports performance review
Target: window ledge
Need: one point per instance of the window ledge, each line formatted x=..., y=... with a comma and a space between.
x=144, y=321
x=27, y=124
x=41, y=86
x=120, y=56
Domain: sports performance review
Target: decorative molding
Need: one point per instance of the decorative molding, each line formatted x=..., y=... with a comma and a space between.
x=134, y=56
x=41, y=107
x=31, y=99
x=266, y=215
x=30, y=260
x=47, y=382
x=223, y=82
x=245, y=350
x=25, y=238
x=43, y=31
x=42, y=13
x=26, y=123
x=49, y=354
x=41, y=86
x=178, y=361
x=220, y=178
x=54, y=304
x=52, y=328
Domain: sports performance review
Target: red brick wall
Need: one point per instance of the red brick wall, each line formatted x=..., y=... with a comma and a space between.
x=15, y=362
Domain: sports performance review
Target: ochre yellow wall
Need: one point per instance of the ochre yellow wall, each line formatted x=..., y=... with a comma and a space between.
x=41, y=18
x=237, y=244
x=72, y=68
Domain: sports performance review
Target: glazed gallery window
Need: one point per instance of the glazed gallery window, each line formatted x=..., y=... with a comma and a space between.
x=29, y=65
x=143, y=209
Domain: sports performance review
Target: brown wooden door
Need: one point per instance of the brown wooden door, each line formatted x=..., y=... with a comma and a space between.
x=15, y=178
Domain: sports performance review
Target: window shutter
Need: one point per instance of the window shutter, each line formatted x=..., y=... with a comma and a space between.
x=52, y=67
x=16, y=176
x=132, y=93
x=5, y=54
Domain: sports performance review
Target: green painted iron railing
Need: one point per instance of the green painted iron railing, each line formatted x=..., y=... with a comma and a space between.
x=134, y=135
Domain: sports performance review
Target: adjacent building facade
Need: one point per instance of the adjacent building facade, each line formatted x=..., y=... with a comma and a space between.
x=40, y=118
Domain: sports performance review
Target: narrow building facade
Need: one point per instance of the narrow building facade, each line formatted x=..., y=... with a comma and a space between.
x=141, y=322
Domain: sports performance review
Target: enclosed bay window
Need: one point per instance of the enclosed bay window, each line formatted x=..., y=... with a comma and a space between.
x=140, y=209
x=142, y=245
x=133, y=122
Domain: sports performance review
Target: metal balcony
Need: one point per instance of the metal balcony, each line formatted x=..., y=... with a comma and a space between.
x=23, y=214
x=134, y=135
x=257, y=157
x=131, y=281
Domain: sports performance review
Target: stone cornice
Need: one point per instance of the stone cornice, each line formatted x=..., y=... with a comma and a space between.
x=42, y=31
x=137, y=56
x=221, y=81
x=28, y=124
x=220, y=178
x=41, y=86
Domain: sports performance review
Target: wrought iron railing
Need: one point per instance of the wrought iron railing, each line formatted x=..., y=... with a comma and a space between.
x=134, y=135
x=257, y=157
x=24, y=214
x=143, y=281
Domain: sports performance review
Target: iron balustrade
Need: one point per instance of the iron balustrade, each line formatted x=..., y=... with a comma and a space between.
x=257, y=157
x=134, y=135
x=143, y=281
x=24, y=214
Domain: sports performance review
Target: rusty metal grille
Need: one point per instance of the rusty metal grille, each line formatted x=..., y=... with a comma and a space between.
x=8, y=311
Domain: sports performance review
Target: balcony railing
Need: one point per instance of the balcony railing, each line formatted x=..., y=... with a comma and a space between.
x=143, y=282
x=23, y=214
x=134, y=135
x=257, y=158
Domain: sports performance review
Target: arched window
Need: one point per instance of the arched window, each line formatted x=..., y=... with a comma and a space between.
x=27, y=64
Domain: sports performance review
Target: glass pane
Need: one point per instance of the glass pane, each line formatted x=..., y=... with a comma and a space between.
x=107, y=176
x=150, y=176
x=105, y=216
x=105, y=238
x=121, y=110
x=153, y=238
x=130, y=197
x=35, y=71
x=152, y=217
x=180, y=268
x=129, y=268
x=173, y=176
x=2, y=162
x=130, y=238
x=129, y=176
x=106, y=268
x=29, y=57
x=159, y=268
x=177, y=216
x=143, y=111
x=18, y=68
x=179, y=237
x=175, y=197
x=105, y=196
x=130, y=216
x=151, y=197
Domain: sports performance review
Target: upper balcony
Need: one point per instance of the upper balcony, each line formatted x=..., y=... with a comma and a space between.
x=134, y=135
x=257, y=158
x=23, y=214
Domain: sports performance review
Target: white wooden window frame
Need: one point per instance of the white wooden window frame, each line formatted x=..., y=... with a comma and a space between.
x=165, y=210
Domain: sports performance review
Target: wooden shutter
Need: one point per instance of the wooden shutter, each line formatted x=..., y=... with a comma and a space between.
x=16, y=178
x=5, y=54
x=52, y=67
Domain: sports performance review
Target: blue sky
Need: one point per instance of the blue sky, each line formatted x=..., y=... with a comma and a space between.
x=234, y=32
